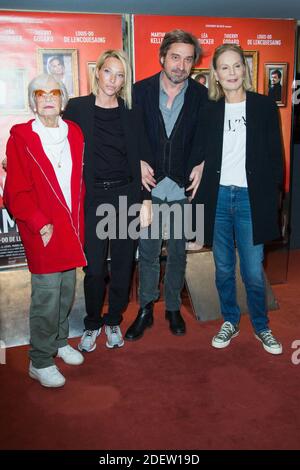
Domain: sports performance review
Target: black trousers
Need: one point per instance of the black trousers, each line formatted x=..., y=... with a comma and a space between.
x=121, y=251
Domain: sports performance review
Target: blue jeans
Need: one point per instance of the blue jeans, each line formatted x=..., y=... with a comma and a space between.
x=149, y=265
x=233, y=223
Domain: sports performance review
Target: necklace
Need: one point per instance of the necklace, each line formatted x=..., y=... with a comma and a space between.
x=57, y=156
x=55, y=146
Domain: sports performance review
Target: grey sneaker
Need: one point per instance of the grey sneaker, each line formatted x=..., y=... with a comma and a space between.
x=88, y=340
x=114, y=337
x=225, y=335
x=269, y=342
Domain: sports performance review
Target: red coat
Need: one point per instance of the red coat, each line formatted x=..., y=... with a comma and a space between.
x=34, y=198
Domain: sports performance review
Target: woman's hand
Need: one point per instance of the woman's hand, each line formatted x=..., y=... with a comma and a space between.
x=146, y=213
x=46, y=233
x=147, y=175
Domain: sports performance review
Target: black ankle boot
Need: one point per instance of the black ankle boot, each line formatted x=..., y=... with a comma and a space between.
x=143, y=320
x=177, y=323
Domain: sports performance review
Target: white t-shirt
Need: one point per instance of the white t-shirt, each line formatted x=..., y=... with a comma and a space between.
x=233, y=170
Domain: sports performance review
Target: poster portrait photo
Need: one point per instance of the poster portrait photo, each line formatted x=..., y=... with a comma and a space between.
x=275, y=82
x=200, y=76
x=63, y=65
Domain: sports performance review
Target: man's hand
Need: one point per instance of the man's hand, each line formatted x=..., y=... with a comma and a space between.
x=195, y=178
x=146, y=214
x=147, y=175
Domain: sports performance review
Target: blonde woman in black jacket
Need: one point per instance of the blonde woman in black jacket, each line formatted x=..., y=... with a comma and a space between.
x=115, y=141
x=241, y=145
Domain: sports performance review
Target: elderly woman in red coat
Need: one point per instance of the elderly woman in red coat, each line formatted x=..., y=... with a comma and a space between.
x=44, y=193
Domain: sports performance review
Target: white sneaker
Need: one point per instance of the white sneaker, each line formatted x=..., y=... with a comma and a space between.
x=47, y=376
x=88, y=340
x=193, y=246
x=70, y=356
x=269, y=342
x=114, y=337
x=225, y=335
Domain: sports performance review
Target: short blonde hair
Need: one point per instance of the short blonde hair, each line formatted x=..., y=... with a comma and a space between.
x=215, y=90
x=126, y=90
x=41, y=81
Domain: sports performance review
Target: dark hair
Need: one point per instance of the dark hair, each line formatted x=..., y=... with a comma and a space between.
x=177, y=36
x=277, y=72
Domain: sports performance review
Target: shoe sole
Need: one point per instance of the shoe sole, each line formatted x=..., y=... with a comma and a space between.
x=139, y=336
x=177, y=333
x=268, y=349
x=224, y=345
x=33, y=376
x=115, y=346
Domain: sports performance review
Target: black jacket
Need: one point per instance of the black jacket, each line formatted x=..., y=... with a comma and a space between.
x=264, y=164
x=81, y=111
x=146, y=95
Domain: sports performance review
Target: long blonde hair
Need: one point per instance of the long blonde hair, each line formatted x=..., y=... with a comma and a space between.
x=126, y=90
x=215, y=90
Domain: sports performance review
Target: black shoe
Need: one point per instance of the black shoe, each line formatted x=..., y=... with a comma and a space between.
x=177, y=324
x=143, y=320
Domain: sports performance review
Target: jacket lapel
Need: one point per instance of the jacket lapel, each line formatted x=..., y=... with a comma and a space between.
x=128, y=127
x=152, y=109
x=87, y=126
x=188, y=98
x=153, y=95
x=218, y=123
x=76, y=177
x=250, y=126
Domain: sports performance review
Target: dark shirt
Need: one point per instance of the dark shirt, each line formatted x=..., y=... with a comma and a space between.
x=109, y=145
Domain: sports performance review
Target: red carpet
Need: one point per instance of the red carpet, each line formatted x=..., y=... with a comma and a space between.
x=165, y=392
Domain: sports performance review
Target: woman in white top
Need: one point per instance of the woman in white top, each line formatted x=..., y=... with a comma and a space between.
x=240, y=187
